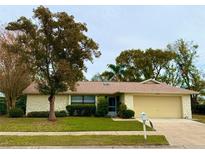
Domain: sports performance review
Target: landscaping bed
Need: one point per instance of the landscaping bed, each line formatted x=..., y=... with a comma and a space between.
x=199, y=118
x=64, y=124
x=83, y=140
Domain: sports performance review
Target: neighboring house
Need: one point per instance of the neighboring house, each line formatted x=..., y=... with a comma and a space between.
x=2, y=98
x=158, y=100
x=1, y=94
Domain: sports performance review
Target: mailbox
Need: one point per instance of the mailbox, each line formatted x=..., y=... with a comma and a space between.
x=144, y=116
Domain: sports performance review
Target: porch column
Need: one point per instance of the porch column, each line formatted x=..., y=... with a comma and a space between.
x=69, y=99
x=96, y=100
x=128, y=100
x=186, y=107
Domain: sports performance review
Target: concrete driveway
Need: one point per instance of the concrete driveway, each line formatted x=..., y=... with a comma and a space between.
x=181, y=132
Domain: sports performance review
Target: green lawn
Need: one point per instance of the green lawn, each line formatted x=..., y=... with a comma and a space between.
x=84, y=140
x=199, y=118
x=68, y=124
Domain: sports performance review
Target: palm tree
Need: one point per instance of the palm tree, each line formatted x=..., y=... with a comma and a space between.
x=99, y=77
x=115, y=73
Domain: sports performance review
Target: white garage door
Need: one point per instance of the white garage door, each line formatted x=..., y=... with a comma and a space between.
x=158, y=106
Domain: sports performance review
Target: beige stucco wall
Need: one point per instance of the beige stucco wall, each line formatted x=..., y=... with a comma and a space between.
x=128, y=100
x=186, y=106
x=122, y=98
x=40, y=103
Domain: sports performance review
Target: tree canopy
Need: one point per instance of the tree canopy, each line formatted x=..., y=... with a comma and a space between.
x=141, y=65
x=14, y=74
x=174, y=65
x=115, y=73
x=187, y=74
x=55, y=48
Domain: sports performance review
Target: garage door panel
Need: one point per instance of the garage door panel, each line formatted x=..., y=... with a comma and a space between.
x=158, y=106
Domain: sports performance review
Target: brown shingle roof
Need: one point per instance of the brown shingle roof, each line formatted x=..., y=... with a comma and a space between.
x=88, y=87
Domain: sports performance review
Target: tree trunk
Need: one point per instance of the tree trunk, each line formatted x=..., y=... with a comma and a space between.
x=52, y=116
x=7, y=106
x=194, y=99
x=13, y=103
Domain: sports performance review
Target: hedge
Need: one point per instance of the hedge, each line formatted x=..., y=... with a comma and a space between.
x=21, y=103
x=81, y=110
x=198, y=108
x=102, y=107
x=16, y=112
x=127, y=114
x=3, y=109
x=122, y=108
x=124, y=112
x=42, y=114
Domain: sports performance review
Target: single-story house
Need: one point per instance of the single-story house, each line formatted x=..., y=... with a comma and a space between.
x=157, y=99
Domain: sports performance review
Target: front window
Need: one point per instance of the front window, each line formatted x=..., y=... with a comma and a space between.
x=82, y=99
x=76, y=99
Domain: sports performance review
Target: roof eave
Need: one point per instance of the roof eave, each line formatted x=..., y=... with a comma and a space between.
x=142, y=92
x=113, y=93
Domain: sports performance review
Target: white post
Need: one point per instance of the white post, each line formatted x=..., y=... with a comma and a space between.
x=145, y=131
x=144, y=119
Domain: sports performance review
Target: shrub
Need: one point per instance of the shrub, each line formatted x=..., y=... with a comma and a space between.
x=127, y=114
x=16, y=112
x=21, y=103
x=38, y=114
x=122, y=108
x=3, y=109
x=124, y=112
x=198, y=108
x=81, y=110
x=102, y=107
x=42, y=114
x=62, y=113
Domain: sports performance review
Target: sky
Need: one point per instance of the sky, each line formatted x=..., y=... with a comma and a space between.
x=118, y=28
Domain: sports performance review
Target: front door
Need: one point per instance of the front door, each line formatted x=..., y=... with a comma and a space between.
x=112, y=106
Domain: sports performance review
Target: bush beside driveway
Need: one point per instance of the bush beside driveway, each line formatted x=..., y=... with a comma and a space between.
x=199, y=118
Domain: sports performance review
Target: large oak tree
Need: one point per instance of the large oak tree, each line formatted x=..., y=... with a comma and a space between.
x=55, y=48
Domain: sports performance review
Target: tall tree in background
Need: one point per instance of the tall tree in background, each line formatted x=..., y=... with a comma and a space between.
x=133, y=60
x=99, y=77
x=158, y=60
x=142, y=65
x=56, y=48
x=115, y=73
x=14, y=74
x=185, y=56
x=189, y=75
x=174, y=66
x=171, y=75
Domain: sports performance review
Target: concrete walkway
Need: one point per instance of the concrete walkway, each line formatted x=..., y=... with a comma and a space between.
x=91, y=147
x=80, y=133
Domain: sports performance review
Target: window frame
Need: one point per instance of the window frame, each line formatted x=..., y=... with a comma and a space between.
x=83, y=100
